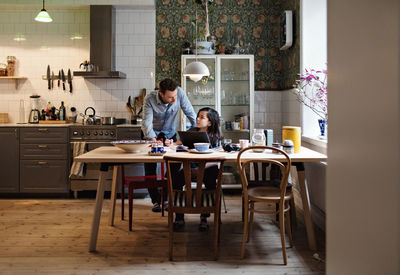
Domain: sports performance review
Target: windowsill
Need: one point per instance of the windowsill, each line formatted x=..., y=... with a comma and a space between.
x=315, y=143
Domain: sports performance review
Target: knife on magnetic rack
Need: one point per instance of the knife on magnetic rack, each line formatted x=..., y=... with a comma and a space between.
x=48, y=77
x=52, y=80
x=59, y=78
x=63, y=78
x=70, y=80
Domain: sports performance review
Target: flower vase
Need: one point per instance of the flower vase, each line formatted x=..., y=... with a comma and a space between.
x=322, y=128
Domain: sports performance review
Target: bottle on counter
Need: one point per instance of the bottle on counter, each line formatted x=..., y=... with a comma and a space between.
x=62, y=111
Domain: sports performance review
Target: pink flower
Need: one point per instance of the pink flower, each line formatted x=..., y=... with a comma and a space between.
x=312, y=90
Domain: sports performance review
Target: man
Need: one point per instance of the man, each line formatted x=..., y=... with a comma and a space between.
x=160, y=109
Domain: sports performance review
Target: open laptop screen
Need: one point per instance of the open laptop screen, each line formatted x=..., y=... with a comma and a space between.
x=188, y=138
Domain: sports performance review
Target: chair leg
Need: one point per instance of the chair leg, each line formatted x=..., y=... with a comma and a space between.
x=130, y=200
x=171, y=232
x=223, y=200
x=250, y=221
x=289, y=228
x=122, y=192
x=282, y=229
x=216, y=235
x=293, y=213
x=245, y=227
x=162, y=201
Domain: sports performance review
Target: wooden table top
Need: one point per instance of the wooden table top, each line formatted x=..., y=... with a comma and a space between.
x=111, y=154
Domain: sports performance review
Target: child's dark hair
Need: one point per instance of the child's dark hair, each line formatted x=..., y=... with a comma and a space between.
x=213, y=131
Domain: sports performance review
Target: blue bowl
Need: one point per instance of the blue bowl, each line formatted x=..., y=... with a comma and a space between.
x=201, y=147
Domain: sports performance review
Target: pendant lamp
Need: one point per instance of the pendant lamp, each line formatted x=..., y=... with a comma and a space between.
x=196, y=70
x=43, y=16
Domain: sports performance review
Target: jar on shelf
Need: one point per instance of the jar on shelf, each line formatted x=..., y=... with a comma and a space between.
x=3, y=69
x=11, y=65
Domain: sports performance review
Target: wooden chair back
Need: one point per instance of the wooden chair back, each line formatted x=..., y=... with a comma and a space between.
x=283, y=165
x=194, y=199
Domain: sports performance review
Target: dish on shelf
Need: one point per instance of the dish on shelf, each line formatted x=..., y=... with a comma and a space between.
x=132, y=146
x=194, y=151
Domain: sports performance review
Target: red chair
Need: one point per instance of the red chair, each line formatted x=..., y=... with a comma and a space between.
x=140, y=182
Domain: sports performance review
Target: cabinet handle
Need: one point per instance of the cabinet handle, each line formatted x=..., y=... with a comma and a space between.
x=16, y=133
x=42, y=146
x=42, y=162
x=43, y=129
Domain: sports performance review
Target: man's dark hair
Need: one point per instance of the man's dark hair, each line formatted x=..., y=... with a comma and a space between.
x=167, y=84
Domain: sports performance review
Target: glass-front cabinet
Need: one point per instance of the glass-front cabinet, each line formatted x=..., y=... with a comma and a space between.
x=229, y=90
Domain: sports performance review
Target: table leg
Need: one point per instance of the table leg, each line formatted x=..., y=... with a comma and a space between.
x=98, y=206
x=113, y=195
x=306, y=206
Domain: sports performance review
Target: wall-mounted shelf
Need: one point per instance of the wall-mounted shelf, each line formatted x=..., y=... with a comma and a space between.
x=15, y=78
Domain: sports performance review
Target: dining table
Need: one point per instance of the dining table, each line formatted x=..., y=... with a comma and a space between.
x=111, y=157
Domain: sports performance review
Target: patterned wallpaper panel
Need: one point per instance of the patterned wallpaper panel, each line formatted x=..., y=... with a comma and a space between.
x=257, y=21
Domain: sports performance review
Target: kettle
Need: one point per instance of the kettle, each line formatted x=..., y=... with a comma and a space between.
x=34, y=116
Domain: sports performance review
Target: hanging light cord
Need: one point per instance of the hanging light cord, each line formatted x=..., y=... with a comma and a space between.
x=43, y=4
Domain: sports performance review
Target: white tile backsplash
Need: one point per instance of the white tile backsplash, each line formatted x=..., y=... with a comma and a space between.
x=51, y=44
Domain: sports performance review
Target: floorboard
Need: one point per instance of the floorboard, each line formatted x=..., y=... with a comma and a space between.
x=51, y=236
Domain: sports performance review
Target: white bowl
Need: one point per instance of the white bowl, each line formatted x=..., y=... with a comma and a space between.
x=132, y=146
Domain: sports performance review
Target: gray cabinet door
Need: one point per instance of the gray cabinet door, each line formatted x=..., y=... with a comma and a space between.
x=33, y=135
x=44, y=151
x=47, y=176
x=9, y=160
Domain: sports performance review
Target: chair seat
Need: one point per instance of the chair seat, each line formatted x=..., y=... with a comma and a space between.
x=267, y=193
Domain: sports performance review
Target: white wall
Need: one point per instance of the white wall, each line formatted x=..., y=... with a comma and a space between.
x=50, y=43
x=363, y=181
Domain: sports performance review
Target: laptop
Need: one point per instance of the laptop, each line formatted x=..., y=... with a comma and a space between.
x=188, y=138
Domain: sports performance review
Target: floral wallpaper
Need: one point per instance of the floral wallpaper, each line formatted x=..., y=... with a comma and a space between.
x=256, y=21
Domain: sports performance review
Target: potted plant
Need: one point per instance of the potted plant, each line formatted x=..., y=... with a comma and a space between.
x=204, y=46
x=311, y=90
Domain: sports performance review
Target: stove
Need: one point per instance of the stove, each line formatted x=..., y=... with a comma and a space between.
x=93, y=133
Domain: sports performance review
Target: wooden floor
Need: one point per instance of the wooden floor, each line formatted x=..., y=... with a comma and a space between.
x=51, y=236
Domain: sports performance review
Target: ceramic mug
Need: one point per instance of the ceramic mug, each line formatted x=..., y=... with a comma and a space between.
x=244, y=143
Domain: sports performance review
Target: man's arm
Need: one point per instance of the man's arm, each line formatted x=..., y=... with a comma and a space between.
x=147, y=126
x=187, y=108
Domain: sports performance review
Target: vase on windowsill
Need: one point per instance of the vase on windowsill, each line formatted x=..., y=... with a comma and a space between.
x=323, y=129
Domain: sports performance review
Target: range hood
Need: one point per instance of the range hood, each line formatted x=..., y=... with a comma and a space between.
x=102, y=43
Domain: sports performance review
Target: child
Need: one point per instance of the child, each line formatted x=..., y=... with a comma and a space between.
x=207, y=121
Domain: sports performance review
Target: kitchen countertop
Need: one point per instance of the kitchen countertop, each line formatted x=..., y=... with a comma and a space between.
x=60, y=125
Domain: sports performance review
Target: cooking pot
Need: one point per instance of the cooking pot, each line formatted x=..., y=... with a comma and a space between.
x=108, y=120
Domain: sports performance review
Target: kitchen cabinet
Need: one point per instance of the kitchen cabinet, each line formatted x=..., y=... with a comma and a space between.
x=229, y=90
x=9, y=160
x=44, y=160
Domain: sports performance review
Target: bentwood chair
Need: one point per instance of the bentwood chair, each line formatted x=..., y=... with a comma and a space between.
x=194, y=201
x=139, y=182
x=264, y=195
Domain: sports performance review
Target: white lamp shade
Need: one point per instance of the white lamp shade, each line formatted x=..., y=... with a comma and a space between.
x=43, y=16
x=196, y=70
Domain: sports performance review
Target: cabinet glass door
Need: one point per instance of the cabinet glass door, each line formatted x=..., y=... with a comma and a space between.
x=235, y=97
x=201, y=93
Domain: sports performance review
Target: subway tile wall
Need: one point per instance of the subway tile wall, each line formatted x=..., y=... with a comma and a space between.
x=51, y=44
